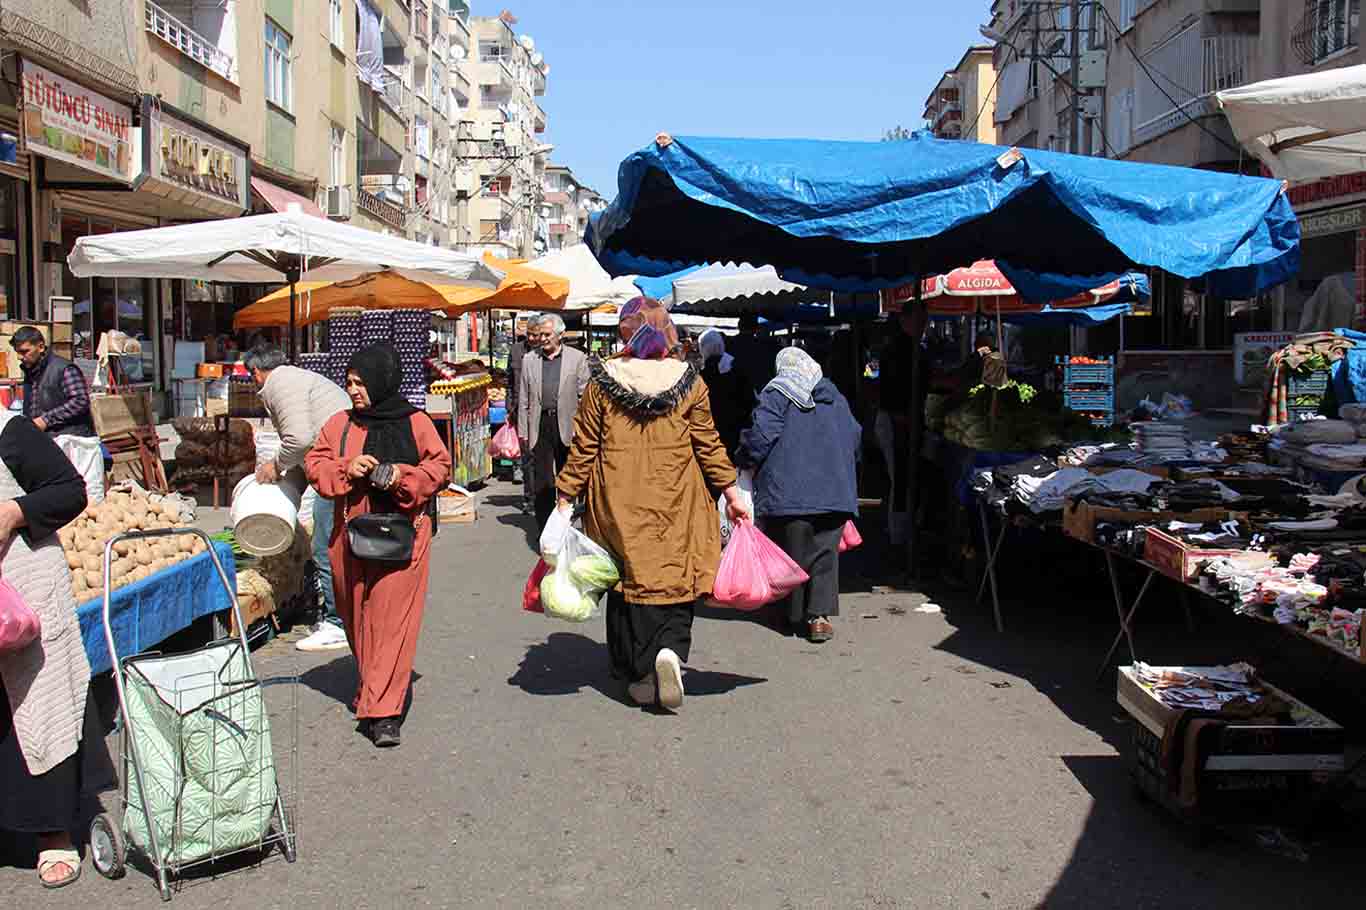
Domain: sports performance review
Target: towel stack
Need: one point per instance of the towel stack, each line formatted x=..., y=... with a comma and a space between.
x=1162, y=442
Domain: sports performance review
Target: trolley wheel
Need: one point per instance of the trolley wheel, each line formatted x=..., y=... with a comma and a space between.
x=107, y=848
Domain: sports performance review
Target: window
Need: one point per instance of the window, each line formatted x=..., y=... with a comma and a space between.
x=337, y=161
x=279, y=91
x=335, y=29
x=1335, y=26
x=492, y=50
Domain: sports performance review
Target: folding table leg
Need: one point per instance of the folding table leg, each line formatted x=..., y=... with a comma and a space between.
x=989, y=576
x=1126, y=631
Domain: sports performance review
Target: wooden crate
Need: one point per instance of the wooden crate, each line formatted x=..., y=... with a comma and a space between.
x=115, y=414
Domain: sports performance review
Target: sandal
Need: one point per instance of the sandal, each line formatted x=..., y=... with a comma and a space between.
x=50, y=858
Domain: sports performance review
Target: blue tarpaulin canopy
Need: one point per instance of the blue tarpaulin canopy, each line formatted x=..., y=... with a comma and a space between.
x=870, y=215
x=1051, y=317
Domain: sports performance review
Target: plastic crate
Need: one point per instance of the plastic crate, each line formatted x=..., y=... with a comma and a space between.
x=1300, y=411
x=1314, y=384
x=1087, y=373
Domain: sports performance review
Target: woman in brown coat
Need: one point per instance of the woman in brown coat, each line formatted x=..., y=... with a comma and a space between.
x=384, y=455
x=648, y=462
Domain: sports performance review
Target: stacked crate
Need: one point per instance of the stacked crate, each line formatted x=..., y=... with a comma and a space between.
x=1089, y=388
x=412, y=337
x=343, y=341
x=1304, y=394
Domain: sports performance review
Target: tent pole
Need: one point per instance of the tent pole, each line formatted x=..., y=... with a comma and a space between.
x=915, y=434
x=292, y=276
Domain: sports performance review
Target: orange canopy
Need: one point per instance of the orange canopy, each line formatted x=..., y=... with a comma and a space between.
x=521, y=289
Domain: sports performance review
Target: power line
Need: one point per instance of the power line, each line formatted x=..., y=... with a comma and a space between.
x=1175, y=104
x=987, y=100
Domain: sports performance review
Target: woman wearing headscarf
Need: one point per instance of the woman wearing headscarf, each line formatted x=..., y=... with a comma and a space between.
x=732, y=397
x=382, y=456
x=649, y=465
x=804, y=447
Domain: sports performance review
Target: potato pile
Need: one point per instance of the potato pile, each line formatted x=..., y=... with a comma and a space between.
x=83, y=542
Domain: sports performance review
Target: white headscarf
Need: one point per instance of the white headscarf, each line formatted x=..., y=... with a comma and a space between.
x=713, y=344
x=797, y=376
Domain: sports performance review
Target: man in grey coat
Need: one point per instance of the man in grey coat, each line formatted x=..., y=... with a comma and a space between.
x=553, y=380
x=298, y=403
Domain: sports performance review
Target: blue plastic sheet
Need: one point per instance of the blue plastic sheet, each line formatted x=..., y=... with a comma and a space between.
x=870, y=215
x=1348, y=375
x=148, y=612
x=663, y=285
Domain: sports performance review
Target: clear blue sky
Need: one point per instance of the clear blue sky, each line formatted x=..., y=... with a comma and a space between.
x=622, y=71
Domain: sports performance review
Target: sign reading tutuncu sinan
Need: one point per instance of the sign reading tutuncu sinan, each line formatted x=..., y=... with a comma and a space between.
x=68, y=122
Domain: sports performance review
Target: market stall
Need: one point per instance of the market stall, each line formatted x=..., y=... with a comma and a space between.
x=468, y=434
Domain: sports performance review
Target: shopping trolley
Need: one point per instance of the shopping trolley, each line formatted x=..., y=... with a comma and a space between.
x=198, y=773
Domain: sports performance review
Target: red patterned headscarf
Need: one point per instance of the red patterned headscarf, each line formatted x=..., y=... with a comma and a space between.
x=645, y=326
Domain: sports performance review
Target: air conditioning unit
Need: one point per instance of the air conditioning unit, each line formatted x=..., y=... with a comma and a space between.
x=465, y=180
x=339, y=202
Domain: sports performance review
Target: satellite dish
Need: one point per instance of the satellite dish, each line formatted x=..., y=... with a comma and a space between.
x=536, y=58
x=527, y=42
x=457, y=53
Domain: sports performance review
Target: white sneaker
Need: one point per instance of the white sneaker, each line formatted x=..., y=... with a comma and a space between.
x=669, y=672
x=642, y=692
x=326, y=637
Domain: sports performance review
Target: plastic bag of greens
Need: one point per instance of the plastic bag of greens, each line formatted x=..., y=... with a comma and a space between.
x=583, y=571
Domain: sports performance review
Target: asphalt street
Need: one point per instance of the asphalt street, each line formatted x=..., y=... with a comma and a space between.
x=918, y=760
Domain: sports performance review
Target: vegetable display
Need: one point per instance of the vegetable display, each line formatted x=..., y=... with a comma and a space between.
x=84, y=539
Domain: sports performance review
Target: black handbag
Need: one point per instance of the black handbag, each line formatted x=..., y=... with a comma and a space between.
x=385, y=537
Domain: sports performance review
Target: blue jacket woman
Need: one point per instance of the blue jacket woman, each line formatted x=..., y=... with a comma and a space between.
x=804, y=446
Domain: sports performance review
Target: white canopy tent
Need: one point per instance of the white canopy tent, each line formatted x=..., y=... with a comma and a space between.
x=729, y=281
x=589, y=284
x=1303, y=128
x=281, y=247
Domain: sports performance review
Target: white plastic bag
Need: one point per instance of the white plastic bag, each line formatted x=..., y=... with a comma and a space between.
x=746, y=485
x=583, y=572
x=86, y=454
x=552, y=535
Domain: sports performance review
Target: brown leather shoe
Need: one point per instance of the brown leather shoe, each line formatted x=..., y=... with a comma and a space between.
x=818, y=629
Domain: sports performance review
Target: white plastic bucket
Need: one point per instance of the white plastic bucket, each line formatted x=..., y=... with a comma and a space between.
x=265, y=516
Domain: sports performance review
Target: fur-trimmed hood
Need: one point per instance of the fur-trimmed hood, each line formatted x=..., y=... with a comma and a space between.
x=645, y=387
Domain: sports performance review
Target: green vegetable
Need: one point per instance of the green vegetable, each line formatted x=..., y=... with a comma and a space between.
x=596, y=572
x=560, y=599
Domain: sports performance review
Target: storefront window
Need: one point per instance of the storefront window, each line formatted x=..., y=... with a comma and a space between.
x=11, y=244
x=105, y=304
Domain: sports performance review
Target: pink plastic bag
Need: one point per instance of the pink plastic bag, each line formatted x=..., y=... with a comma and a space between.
x=531, y=594
x=850, y=538
x=754, y=571
x=505, y=443
x=19, y=625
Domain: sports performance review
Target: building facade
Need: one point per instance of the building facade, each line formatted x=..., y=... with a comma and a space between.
x=963, y=102
x=566, y=206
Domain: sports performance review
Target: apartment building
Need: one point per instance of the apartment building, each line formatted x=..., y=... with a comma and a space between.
x=566, y=206
x=963, y=102
x=209, y=109
x=501, y=159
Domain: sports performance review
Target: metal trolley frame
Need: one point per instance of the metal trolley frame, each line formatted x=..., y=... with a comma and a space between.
x=109, y=839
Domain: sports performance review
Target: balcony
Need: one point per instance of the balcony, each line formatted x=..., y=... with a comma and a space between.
x=556, y=197
x=1327, y=29
x=382, y=210
x=422, y=22
x=947, y=113
x=441, y=45
x=180, y=36
x=394, y=96
x=1207, y=64
x=538, y=115
x=557, y=229
x=460, y=30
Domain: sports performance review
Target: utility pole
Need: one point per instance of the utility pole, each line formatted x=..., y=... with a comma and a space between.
x=1074, y=140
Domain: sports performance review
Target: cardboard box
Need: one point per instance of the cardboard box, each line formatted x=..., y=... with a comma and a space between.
x=61, y=332
x=1079, y=519
x=454, y=507
x=1181, y=561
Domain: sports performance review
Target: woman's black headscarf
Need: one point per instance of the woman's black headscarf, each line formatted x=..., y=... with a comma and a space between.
x=389, y=431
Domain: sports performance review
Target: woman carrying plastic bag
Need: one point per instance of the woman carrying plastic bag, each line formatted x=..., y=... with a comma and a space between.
x=804, y=449
x=581, y=571
x=648, y=463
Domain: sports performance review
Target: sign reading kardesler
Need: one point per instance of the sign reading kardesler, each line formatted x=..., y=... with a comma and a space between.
x=68, y=122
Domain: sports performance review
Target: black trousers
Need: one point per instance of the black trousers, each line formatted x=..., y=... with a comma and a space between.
x=813, y=543
x=636, y=633
x=547, y=458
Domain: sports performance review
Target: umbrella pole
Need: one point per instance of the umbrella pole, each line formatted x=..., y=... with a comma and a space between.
x=914, y=442
x=292, y=276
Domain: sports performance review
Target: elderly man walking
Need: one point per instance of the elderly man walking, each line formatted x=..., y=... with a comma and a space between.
x=553, y=380
x=298, y=403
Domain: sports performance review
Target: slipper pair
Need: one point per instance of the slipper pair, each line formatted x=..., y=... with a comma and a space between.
x=49, y=858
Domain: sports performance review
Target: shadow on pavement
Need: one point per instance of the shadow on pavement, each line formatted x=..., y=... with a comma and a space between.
x=710, y=682
x=564, y=664
x=527, y=524
x=336, y=679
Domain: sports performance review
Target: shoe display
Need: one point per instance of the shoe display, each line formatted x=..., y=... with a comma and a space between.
x=818, y=629
x=325, y=637
x=642, y=691
x=669, y=673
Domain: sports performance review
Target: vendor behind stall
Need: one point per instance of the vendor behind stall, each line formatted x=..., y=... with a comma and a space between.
x=56, y=397
x=298, y=403
x=970, y=373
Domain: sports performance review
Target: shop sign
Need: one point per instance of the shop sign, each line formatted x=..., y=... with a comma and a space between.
x=68, y=122
x=193, y=159
x=1328, y=188
x=1337, y=221
x=1251, y=351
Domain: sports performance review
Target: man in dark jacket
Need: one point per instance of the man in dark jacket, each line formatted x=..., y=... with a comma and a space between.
x=56, y=397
